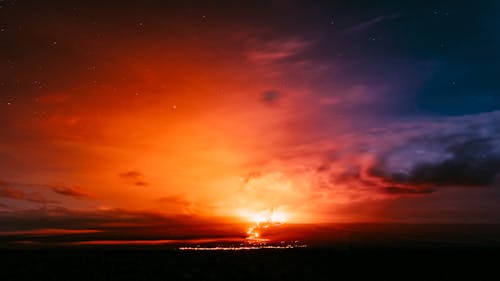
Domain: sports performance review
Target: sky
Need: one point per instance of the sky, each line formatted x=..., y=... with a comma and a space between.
x=191, y=114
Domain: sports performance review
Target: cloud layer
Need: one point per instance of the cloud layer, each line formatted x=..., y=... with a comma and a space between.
x=452, y=152
x=400, y=160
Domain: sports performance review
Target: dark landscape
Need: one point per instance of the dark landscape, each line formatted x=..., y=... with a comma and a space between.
x=364, y=252
x=290, y=264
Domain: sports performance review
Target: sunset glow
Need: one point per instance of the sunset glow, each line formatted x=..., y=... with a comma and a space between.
x=261, y=222
x=267, y=216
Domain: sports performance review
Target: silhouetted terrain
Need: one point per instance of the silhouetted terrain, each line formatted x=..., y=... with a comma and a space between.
x=294, y=264
x=338, y=236
x=335, y=252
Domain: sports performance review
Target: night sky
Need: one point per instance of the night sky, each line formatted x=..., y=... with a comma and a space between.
x=193, y=114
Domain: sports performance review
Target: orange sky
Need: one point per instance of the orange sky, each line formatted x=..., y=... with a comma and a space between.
x=169, y=126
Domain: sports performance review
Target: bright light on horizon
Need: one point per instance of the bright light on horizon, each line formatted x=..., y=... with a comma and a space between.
x=263, y=220
x=266, y=216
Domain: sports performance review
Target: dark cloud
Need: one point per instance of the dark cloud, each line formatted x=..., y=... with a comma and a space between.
x=37, y=197
x=405, y=190
x=35, y=193
x=141, y=183
x=34, y=197
x=134, y=177
x=270, y=97
x=463, y=153
x=59, y=217
x=322, y=168
x=471, y=163
x=70, y=191
x=113, y=224
x=131, y=175
x=11, y=193
x=419, y=157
